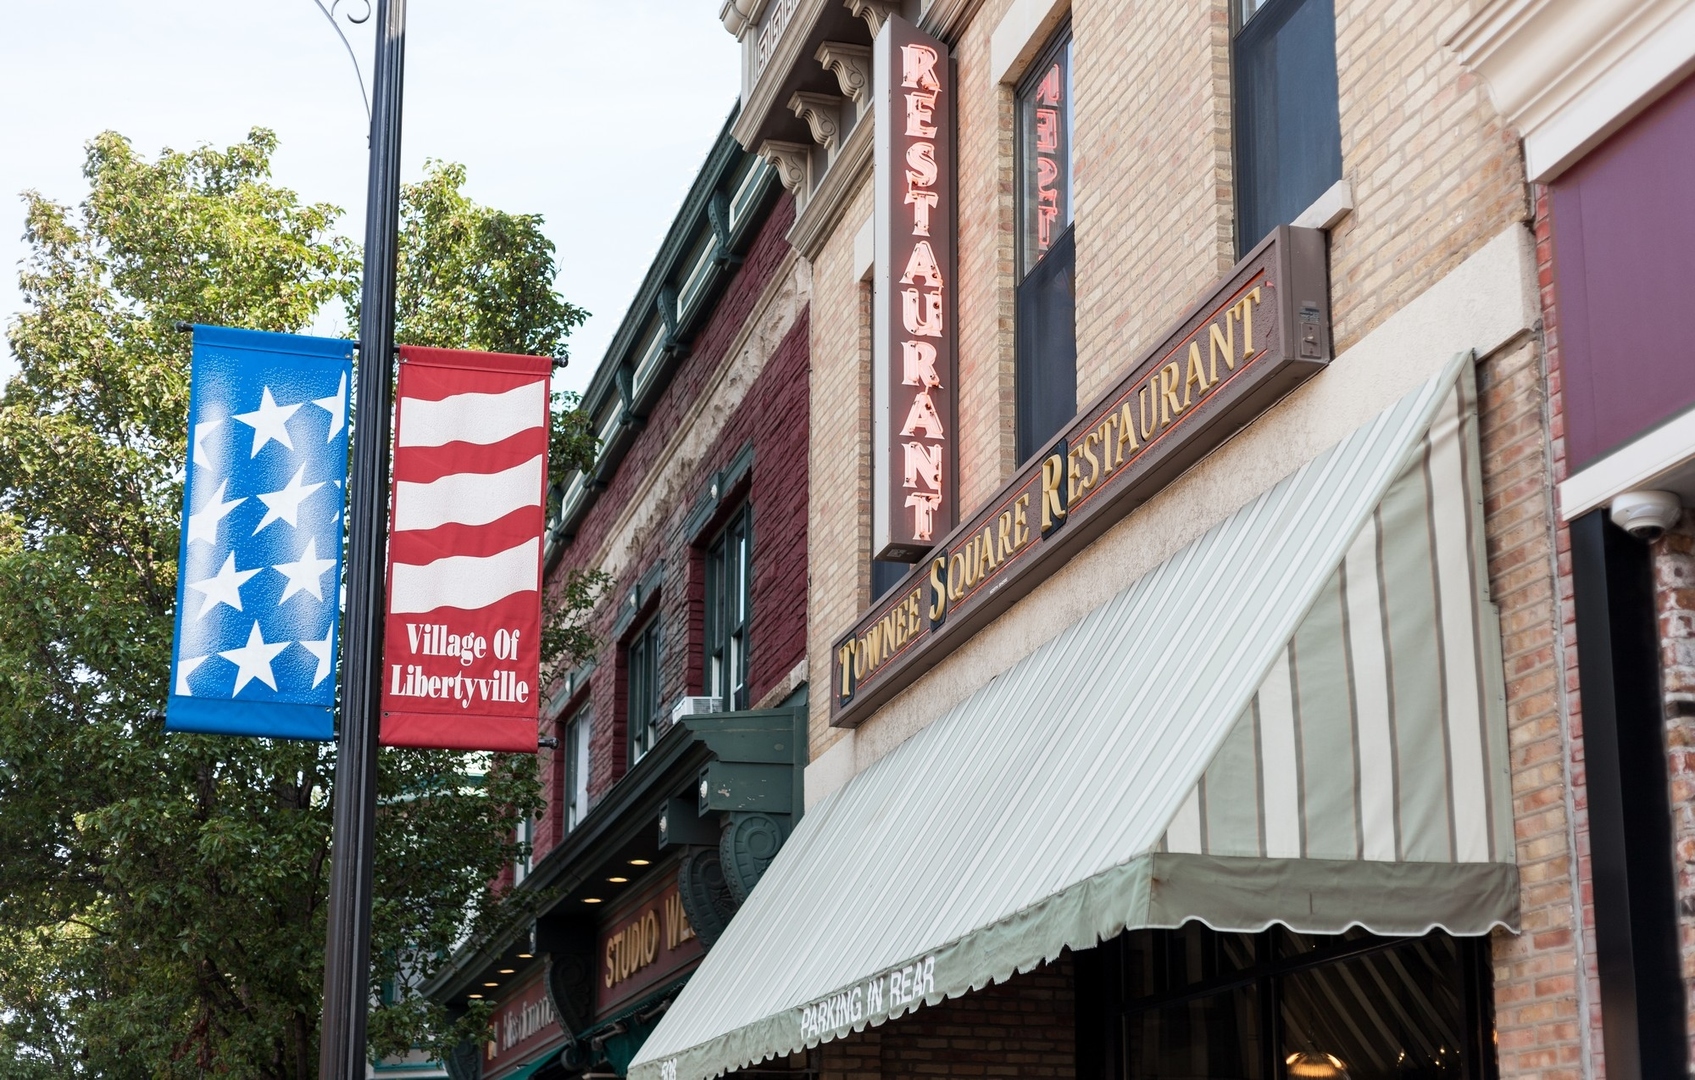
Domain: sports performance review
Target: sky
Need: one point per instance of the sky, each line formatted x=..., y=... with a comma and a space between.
x=595, y=114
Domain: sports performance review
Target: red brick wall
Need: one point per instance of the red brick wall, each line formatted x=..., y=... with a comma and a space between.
x=772, y=415
x=1024, y=1027
x=1555, y=991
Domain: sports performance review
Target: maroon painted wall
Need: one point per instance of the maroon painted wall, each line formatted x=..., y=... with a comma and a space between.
x=1624, y=258
x=773, y=417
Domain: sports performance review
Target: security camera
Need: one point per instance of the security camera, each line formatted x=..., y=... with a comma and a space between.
x=1646, y=514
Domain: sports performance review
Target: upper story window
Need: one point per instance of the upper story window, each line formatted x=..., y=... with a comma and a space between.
x=526, y=837
x=642, y=705
x=1046, y=368
x=576, y=747
x=729, y=576
x=1288, y=131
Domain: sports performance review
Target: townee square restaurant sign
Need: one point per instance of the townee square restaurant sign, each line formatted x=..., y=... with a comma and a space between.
x=913, y=331
x=1260, y=332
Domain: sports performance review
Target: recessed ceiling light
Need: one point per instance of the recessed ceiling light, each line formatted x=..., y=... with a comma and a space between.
x=475, y=997
x=523, y=956
x=617, y=880
x=591, y=899
x=638, y=862
x=506, y=971
x=491, y=984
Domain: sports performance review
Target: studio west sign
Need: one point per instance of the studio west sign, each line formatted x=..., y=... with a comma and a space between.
x=913, y=326
x=1262, y=331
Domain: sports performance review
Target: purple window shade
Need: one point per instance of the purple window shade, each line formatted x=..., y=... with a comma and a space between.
x=1624, y=262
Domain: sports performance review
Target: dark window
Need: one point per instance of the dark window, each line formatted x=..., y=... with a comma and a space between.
x=1195, y=1003
x=642, y=660
x=1046, y=297
x=577, y=733
x=729, y=572
x=1288, y=132
x=886, y=575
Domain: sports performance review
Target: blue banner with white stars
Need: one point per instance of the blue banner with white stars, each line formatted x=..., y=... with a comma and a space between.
x=259, y=567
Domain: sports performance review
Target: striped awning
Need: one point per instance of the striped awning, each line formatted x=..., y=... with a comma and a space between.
x=1298, y=718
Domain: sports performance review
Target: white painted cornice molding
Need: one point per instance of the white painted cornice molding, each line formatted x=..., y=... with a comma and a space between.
x=874, y=12
x=822, y=113
x=790, y=159
x=1568, y=73
x=851, y=65
x=738, y=15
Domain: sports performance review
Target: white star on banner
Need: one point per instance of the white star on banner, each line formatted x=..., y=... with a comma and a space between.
x=321, y=650
x=305, y=573
x=269, y=422
x=203, y=523
x=185, y=668
x=284, y=505
x=253, y=660
x=336, y=406
x=225, y=588
x=201, y=457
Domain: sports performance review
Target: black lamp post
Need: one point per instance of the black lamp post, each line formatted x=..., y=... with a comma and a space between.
x=347, y=966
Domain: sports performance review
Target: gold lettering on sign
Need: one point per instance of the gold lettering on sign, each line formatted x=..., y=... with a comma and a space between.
x=1053, y=508
x=938, y=588
x=632, y=948
x=677, y=928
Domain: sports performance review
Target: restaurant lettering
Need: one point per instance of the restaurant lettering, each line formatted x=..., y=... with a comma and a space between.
x=913, y=384
x=1264, y=330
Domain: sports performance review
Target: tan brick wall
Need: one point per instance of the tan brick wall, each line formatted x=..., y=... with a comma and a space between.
x=1154, y=202
x=1538, y=1007
x=1435, y=172
x=986, y=427
x=839, y=527
x=1588, y=1017
x=1022, y=1028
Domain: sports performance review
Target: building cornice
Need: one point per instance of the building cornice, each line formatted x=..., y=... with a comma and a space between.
x=1568, y=73
x=762, y=96
x=814, y=223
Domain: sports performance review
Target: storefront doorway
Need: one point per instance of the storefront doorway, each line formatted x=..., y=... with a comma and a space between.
x=1194, y=1003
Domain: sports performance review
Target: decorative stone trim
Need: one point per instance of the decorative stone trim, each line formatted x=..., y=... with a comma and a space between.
x=852, y=164
x=1568, y=73
x=851, y=65
x=822, y=113
x=874, y=12
x=791, y=160
x=737, y=15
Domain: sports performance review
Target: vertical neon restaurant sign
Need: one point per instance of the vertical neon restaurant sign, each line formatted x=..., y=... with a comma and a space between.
x=913, y=335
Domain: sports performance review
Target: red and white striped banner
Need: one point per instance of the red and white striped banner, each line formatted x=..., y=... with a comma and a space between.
x=462, y=645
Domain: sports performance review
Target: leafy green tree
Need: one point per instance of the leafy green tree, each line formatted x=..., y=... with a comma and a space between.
x=162, y=897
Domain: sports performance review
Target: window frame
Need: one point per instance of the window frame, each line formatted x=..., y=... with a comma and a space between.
x=644, y=649
x=578, y=734
x=1045, y=352
x=1059, y=41
x=1261, y=27
x=727, y=629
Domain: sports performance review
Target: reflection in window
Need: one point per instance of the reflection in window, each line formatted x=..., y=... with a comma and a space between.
x=1046, y=300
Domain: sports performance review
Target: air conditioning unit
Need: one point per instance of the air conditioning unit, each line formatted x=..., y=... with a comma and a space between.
x=695, y=706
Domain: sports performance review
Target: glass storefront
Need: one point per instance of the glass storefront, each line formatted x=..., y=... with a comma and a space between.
x=1196, y=1004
